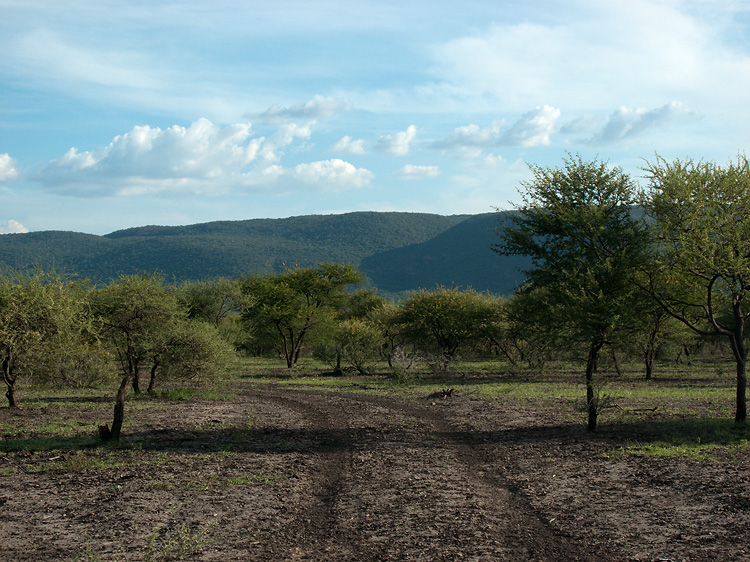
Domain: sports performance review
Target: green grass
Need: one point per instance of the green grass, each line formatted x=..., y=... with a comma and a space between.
x=697, y=439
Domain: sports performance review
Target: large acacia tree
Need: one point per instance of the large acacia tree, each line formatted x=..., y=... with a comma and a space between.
x=701, y=216
x=446, y=320
x=288, y=307
x=576, y=222
x=136, y=313
x=41, y=313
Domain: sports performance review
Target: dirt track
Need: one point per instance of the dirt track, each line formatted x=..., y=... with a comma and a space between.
x=283, y=474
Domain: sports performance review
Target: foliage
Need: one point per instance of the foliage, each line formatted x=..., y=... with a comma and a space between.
x=136, y=314
x=211, y=301
x=443, y=321
x=701, y=219
x=191, y=350
x=288, y=307
x=357, y=340
x=577, y=226
x=227, y=249
x=43, y=322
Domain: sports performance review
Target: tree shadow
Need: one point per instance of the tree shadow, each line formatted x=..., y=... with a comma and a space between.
x=712, y=431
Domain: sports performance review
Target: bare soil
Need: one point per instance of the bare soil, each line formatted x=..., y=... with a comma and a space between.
x=284, y=473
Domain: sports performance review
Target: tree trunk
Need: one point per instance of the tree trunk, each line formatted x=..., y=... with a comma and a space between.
x=10, y=380
x=119, y=409
x=152, y=380
x=648, y=357
x=136, y=381
x=740, y=415
x=737, y=341
x=591, y=398
x=337, y=371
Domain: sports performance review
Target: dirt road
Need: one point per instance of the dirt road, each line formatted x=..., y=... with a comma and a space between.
x=294, y=474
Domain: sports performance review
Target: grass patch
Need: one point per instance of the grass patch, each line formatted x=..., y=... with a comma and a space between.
x=696, y=439
x=49, y=444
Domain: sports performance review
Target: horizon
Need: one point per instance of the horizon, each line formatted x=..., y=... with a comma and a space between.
x=258, y=219
x=138, y=114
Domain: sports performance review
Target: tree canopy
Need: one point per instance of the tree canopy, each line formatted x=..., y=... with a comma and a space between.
x=287, y=307
x=701, y=220
x=576, y=223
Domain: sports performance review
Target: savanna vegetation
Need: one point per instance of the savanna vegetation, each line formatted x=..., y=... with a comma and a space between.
x=633, y=306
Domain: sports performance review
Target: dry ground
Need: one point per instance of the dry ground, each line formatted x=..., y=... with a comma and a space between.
x=288, y=473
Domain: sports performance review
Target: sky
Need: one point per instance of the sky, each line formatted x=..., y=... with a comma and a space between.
x=115, y=114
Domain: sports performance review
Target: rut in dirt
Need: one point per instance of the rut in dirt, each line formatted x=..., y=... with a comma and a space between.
x=394, y=480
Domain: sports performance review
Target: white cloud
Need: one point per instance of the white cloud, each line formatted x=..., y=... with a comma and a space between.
x=325, y=175
x=627, y=123
x=317, y=108
x=8, y=171
x=398, y=143
x=582, y=57
x=347, y=145
x=413, y=172
x=533, y=128
x=13, y=227
x=203, y=158
x=153, y=159
x=471, y=136
x=581, y=125
x=285, y=135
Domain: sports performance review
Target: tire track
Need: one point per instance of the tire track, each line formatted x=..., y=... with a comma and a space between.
x=396, y=480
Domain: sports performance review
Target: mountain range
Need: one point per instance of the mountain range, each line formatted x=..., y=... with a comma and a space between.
x=398, y=252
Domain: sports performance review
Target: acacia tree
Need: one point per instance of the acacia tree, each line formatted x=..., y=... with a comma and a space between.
x=701, y=215
x=35, y=309
x=291, y=305
x=210, y=301
x=576, y=224
x=135, y=313
x=444, y=320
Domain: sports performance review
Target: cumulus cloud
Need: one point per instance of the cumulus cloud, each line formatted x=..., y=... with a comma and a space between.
x=203, y=158
x=156, y=159
x=533, y=128
x=13, y=227
x=397, y=144
x=627, y=123
x=317, y=108
x=347, y=145
x=412, y=172
x=8, y=171
x=581, y=125
x=325, y=175
x=471, y=136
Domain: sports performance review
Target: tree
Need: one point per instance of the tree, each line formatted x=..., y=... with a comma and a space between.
x=444, y=320
x=701, y=220
x=352, y=339
x=211, y=301
x=136, y=312
x=291, y=305
x=34, y=308
x=189, y=350
x=577, y=225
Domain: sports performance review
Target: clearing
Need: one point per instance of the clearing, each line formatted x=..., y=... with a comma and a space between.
x=286, y=470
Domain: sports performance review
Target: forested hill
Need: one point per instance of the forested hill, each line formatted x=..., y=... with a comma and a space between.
x=398, y=251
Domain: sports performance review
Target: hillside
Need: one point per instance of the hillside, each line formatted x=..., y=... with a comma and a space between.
x=398, y=251
x=460, y=256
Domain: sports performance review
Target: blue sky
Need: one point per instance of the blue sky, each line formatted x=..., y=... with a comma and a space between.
x=125, y=113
